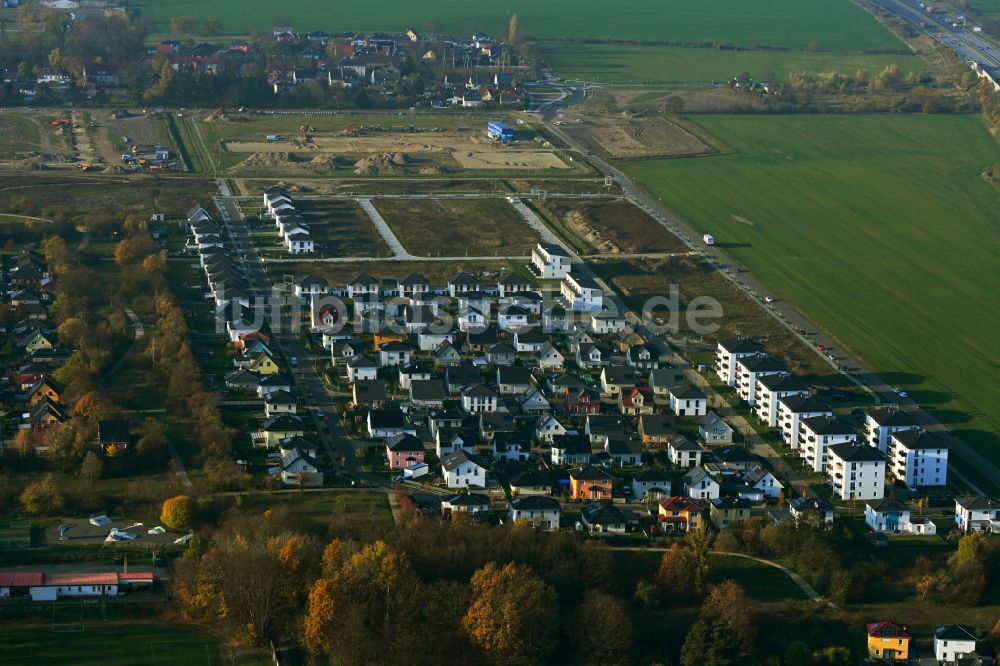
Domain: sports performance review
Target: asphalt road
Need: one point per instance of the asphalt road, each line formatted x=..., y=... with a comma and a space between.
x=338, y=444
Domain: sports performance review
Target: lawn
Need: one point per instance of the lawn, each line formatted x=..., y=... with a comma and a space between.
x=883, y=239
x=458, y=227
x=18, y=135
x=835, y=24
x=54, y=634
x=624, y=63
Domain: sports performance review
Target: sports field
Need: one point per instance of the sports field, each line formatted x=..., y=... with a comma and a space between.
x=625, y=63
x=878, y=228
x=835, y=24
x=96, y=642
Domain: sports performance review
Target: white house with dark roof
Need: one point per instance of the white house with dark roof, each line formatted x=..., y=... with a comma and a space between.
x=699, y=484
x=713, y=429
x=464, y=470
x=976, y=513
x=918, y=458
x=581, y=293
x=820, y=507
x=683, y=452
x=463, y=283
x=512, y=283
x=953, y=642
x=792, y=410
x=752, y=367
x=688, y=401
x=888, y=515
x=856, y=471
x=541, y=512
x=728, y=351
x=651, y=483
x=550, y=261
x=478, y=399
x=880, y=424
x=818, y=434
x=770, y=389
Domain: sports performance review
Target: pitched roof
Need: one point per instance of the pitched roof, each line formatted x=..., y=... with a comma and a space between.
x=590, y=473
x=603, y=513
x=888, y=504
x=977, y=503
x=535, y=503
x=531, y=478
x=811, y=504
x=955, y=632
x=113, y=431
x=828, y=425
x=453, y=460
x=892, y=418
x=853, y=452
x=804, y=404
x=681, y=504
x=887, y=630
x=651, y=476
x=468, y=499
x=403, y=443
x=919, y=439
x=741, y=345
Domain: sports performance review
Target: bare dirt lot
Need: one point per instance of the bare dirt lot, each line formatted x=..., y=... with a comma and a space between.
x=458, y=227
x=392, y=153
x=342, y=228
x=616, y=136
x=437, y=272
x=613, y=226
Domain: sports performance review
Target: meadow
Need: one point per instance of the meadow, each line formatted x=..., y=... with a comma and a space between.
x=878, y=228
x=834, y=24
x=627, y=63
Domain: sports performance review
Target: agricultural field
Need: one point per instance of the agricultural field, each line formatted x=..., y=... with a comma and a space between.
x=19, y=135
x=835, y=24
x=625, y=63
x=342, y=228
x=878, y=228
x=611, y=226
x=458, y=227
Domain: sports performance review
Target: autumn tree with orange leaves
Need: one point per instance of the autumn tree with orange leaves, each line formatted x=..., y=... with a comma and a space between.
x=512, y=613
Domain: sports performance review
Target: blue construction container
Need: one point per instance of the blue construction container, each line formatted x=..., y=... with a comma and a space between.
x=500, y=131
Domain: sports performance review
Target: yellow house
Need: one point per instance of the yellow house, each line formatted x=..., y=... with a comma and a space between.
x=43, y=389
x=888, y=641
x=277, y=428
x=262, y=363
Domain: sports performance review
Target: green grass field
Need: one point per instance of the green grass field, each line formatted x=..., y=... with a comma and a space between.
x=835, y=24
x=33, y=636
x=878, y=228
x=622, y=63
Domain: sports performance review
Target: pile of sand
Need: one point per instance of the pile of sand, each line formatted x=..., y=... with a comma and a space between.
x=270, y=160
x=400, y=159
x=580, y=225
x=328, y=161
x=432, y=170
x=377, y=163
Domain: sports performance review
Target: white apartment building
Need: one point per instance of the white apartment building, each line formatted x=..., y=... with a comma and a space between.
x=728, y=351
x=581, y=293
x=817, y=434
x=917, y=458
x=856, y=471
x=750, y=368
x=881, y=423
x=770, y=389
x=792, y=410
x=550, y=261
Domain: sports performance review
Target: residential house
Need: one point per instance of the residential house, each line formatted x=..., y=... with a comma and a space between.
x=113, y=435
x=888, y=514
x=880, y=424
x=590, y=356
x=641, y=357
x=688, y=401
x=445, y=354
x=394, y=353
x=664, y=379
x=450, y=440
x=729, y=351
x=269, y=384
x=513, y=380
x=548, y=427
x=501, y=354
x=698, y=484
x=276, y=429
x=549, y=358
x=299, y=468
x=474, y=505
x=727, y=512
x=601, y=428
x=856, y=471
x=280, y=402
x=918, y=458
x=590, y=483
x=953, y=642
x=531, y=482
x=511, y=446
x=463, y=283
x=679, y=514
x=464, y=470
x=410, y=372
x=655, y=429
x=582, y=402
x=370, y=393
x=712, y=429
x=636, y=401
x=512, y=318
x=604, y=517
x=385, y=423
x=820, y=507
x=616, y=377
x=361, y=368
x=532, y=340
x=977, y=514
x=606, y=322
x=403, y=450
x=478, y=399
x=624, y=451
x=570, y=449
x=510, y=284
x=533, y=401
x=888, y=641
x=651, y=484
x=759, y=479
x=683, y=452
x=580, y=292
x=427, y=393
x=541, y=512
